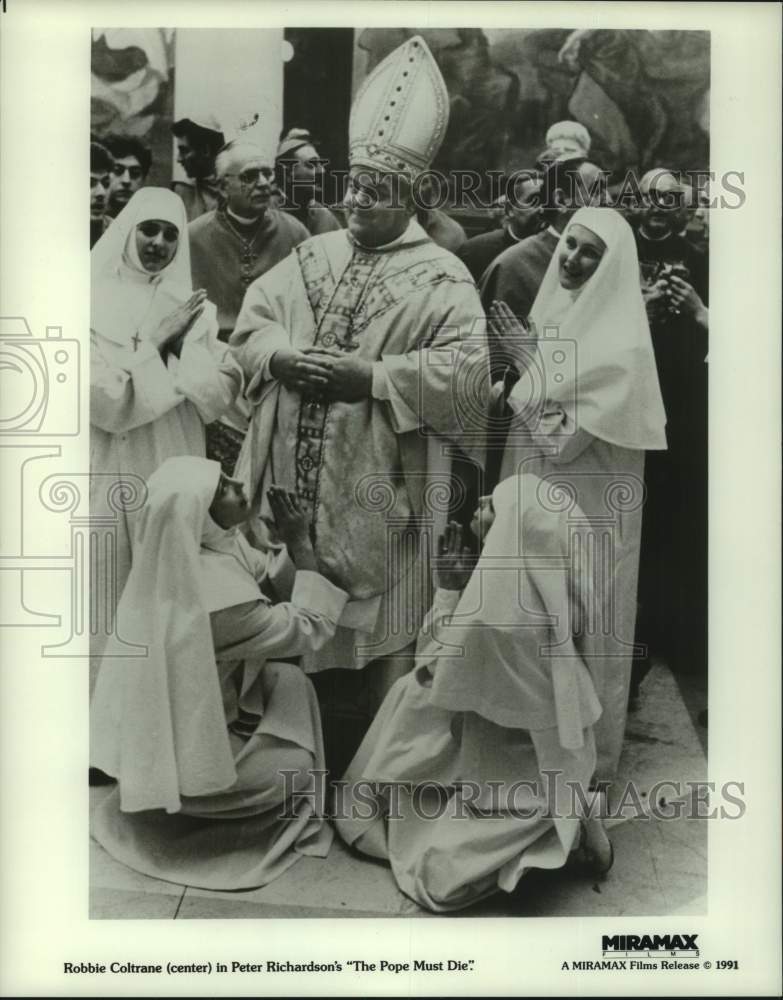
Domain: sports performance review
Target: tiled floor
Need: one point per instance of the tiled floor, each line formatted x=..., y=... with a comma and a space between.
x=660, y=865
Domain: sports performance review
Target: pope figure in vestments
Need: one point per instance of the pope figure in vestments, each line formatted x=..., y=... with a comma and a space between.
x=365, y=358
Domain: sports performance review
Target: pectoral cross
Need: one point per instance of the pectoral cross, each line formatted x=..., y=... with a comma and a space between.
x=136, y=340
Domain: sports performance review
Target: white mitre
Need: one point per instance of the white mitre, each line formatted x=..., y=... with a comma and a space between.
x=400, y=114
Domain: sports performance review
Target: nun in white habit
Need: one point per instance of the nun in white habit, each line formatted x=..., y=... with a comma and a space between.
x=585, y=408
x=477, y=767
x=158, y=373
x=215, y=742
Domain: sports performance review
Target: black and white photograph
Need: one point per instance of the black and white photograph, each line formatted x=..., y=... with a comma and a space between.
x=398, y=557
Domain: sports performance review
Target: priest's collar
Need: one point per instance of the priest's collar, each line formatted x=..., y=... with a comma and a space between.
x=242, y=220
x=652, y=238
x=413, y=234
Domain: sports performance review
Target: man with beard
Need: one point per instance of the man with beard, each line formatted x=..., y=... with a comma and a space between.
x=132, y=162
x=199, y=138
x=101, y=166
x=299, y=175
x=673, y=566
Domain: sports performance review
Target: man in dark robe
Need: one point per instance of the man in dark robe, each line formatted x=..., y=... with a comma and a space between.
x=673, y=566
x=233, y=245
x=521, y=218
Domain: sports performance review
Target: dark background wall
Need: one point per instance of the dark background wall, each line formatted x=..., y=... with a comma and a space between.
x=317, y=89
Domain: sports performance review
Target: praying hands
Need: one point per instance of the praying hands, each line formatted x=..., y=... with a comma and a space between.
x=171, y=332
x=513, y=335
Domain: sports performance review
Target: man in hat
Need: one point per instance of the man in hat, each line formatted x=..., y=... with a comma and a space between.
x=358, y=351
x=299, y=176
x=199, y=138
x=566, y=139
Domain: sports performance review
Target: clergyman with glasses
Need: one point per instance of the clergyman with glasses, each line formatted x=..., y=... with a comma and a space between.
x=244, y=237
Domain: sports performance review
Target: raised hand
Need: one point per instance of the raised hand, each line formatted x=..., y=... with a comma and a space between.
x=290, y=520
x=683, y=297
x=174, y=326
x=455, y=562
x=292, y=526
x=513, y=335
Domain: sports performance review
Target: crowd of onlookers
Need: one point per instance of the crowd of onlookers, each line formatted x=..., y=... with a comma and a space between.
x=247, y=210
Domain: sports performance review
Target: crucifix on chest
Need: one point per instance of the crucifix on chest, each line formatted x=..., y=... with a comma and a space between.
x=136, y=340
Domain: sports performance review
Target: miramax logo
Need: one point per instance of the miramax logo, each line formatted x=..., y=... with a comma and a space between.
x=650, y=944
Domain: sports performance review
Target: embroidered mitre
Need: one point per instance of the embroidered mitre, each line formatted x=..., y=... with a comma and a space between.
x=401, y=112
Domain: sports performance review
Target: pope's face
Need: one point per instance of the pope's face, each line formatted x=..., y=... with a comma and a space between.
x=127, y=178
x=581, y=254
x=229, y=505
x=156, y=244
x=377, y=206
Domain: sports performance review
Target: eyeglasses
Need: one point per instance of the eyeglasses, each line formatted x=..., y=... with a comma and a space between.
x=153, y=229
x=252, y=175
x=135, y=173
